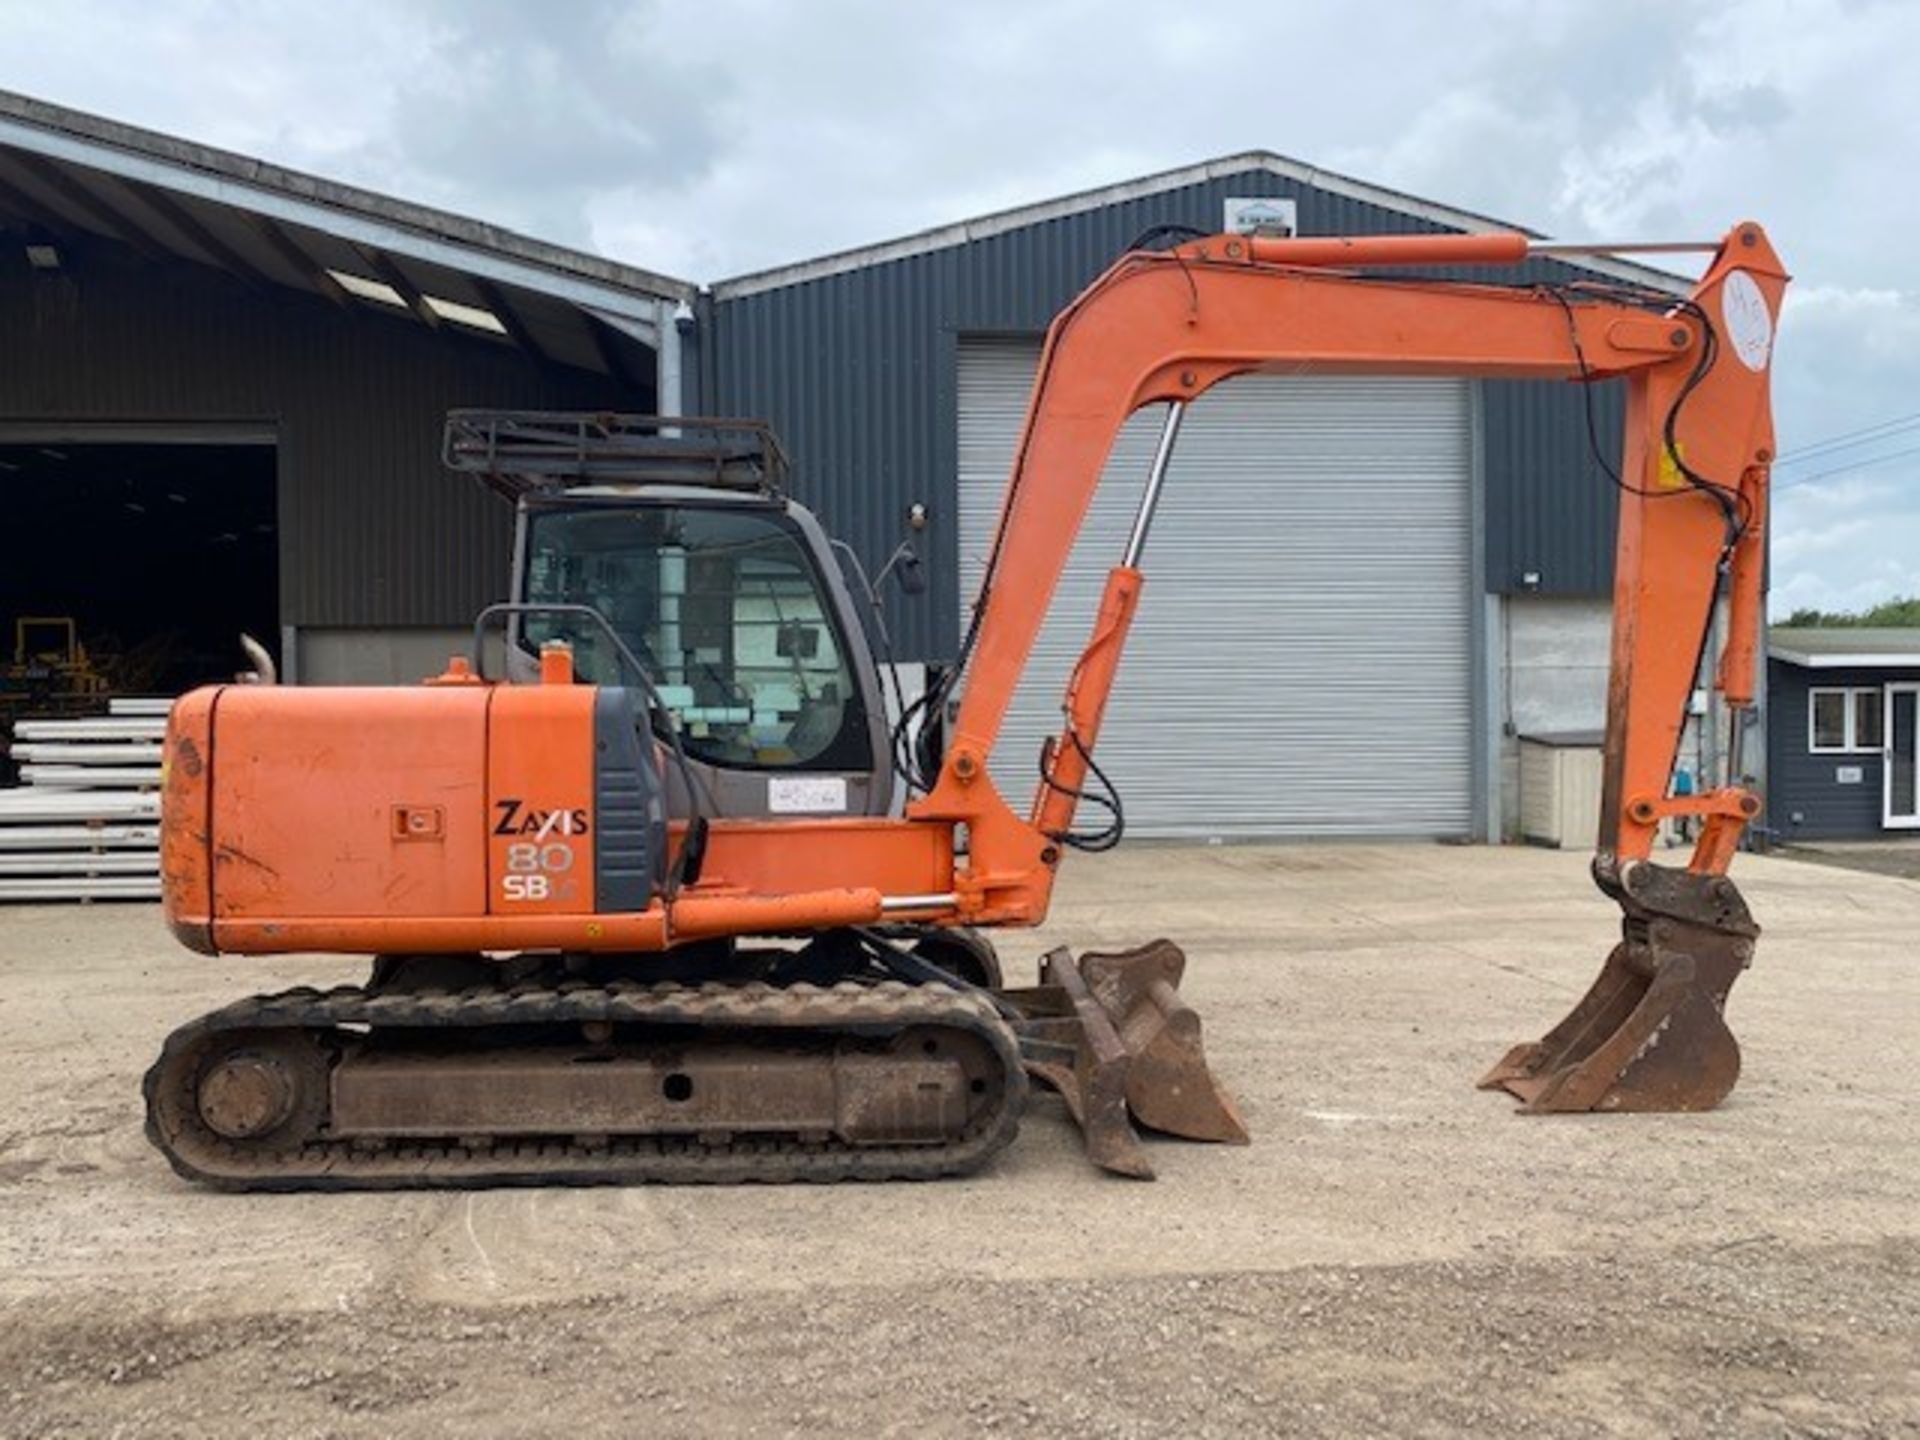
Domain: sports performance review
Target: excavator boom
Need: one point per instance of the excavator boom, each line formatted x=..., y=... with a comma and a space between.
x=1165, y=328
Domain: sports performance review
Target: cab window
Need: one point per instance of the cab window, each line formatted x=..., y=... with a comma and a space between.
x=726, y=609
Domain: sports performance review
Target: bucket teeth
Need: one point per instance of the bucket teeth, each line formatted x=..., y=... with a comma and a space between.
x=1650, y=1033
x=1112, y=1035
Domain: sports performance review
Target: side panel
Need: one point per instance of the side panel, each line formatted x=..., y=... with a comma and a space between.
x=629, y=804
x=186, y=876
x=540, y=800
x=353, y=801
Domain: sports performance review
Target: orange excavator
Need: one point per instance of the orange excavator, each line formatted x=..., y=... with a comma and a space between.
x=646, y=903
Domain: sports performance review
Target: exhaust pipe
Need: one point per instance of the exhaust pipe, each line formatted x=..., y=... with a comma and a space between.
x=264, y=671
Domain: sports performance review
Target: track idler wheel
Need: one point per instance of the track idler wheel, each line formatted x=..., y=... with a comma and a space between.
x=1650, y=1035
x=1112, y=1035
x=257, y=1091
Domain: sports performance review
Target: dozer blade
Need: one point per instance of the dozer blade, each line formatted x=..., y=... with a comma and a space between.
x=1650, y=1035
x=1070, y=1043
x=1169, y=1086
x=1112, y=1035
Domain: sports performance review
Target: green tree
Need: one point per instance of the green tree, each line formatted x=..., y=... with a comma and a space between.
x=1902, y=611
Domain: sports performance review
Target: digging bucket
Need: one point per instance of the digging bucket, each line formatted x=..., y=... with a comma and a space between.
x=1651, y=1033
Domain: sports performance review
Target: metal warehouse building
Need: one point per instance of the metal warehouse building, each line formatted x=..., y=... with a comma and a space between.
x=222, y=384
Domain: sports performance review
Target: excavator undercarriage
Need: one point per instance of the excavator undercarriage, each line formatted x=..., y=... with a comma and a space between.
x=454, y=1071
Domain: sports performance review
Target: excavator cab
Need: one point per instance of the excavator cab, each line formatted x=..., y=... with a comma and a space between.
x=681, y=535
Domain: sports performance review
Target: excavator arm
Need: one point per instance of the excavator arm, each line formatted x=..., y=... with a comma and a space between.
x=1162, y=328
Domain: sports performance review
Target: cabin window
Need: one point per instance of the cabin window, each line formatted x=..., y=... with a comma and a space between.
x=1843, y=719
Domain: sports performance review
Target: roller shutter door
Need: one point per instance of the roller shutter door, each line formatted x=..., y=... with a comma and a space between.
x=1301, y=664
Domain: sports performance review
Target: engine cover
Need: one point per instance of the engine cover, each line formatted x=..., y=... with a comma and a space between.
x=441, y=802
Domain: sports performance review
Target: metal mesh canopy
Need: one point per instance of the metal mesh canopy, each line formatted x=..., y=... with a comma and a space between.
x=517, y=452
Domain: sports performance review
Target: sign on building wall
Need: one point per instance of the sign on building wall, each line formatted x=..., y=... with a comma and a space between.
x=1260, y=215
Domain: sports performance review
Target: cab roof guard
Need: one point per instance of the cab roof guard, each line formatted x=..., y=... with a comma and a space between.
x=522, y=452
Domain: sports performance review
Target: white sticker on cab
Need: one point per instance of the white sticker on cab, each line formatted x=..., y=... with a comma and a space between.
x=807, y=794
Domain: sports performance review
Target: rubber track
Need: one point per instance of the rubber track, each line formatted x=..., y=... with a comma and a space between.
x=862, y=1011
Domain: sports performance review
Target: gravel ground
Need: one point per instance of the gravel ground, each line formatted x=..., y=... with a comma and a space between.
x=1396, y=1253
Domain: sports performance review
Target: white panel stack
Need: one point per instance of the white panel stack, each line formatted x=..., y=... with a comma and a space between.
x=85, y=825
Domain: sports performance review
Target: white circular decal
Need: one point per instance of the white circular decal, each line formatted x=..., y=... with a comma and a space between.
x=1743, y=310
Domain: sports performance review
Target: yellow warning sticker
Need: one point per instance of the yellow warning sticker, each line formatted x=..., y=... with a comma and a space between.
x=1671, y=477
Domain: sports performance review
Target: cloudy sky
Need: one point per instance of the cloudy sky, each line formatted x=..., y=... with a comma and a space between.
x=712, y=137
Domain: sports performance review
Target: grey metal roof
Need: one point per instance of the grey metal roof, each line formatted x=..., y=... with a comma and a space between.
x=964, y=232
x=1841, y=646
x=63, y=170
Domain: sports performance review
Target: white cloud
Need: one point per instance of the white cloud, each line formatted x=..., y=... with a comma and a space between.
x=711, y=139
x=1797, y=544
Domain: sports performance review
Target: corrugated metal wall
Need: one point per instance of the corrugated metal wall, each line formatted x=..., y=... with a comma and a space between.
x=858, y=373
x=372, y=530
x=1551, y=510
